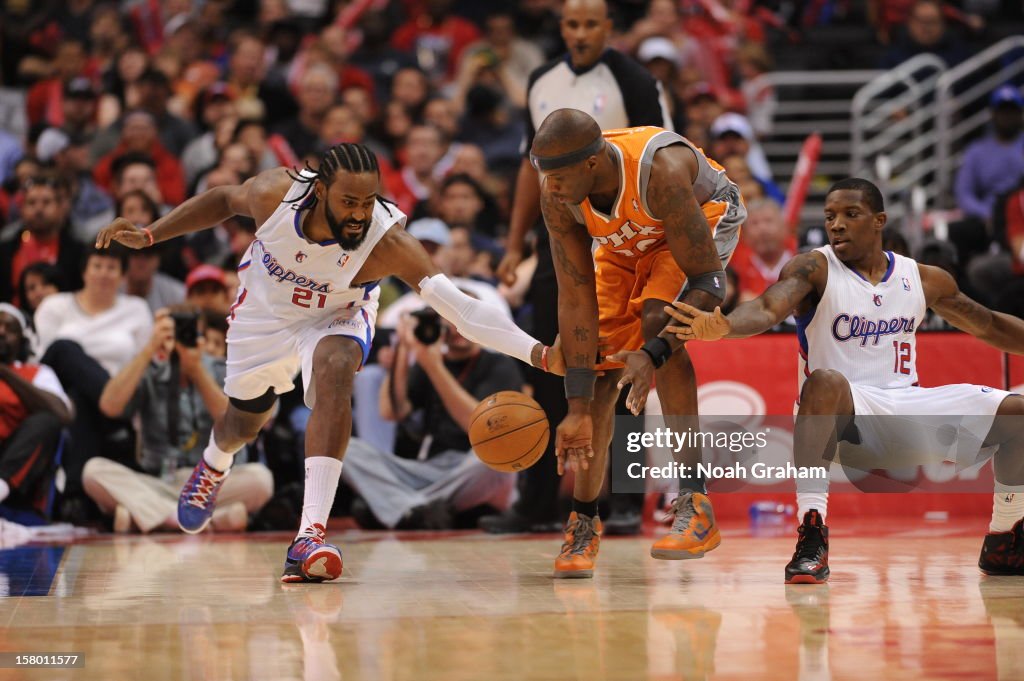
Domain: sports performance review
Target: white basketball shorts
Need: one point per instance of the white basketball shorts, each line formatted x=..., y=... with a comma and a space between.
x=265, y=351
x=917, y=425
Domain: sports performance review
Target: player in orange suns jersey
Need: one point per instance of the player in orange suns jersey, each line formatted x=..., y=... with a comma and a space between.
x=637, y=217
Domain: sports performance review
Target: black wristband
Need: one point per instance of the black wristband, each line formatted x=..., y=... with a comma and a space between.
x=579, y=382
x=658, y=350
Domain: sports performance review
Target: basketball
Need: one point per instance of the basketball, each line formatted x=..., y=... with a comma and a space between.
x=508, y=431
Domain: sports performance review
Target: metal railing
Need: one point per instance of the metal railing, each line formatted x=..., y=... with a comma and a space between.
x=894, y=129
x=808, y=102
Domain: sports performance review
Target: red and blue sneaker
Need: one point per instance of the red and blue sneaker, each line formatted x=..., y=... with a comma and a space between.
x=199, y=497
x=310, y=559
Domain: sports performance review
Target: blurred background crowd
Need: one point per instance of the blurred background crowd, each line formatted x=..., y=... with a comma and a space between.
x=128, y=108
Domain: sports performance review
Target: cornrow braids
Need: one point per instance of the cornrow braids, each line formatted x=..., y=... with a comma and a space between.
x=347, y=157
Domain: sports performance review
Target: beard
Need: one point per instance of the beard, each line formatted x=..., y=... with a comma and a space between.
x=348, y=243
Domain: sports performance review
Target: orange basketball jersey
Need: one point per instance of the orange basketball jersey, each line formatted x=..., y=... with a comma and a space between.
x=630, y=230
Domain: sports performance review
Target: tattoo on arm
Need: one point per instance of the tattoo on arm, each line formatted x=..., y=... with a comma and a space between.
x=964, y=313
x=581, y=360
x=568, y=266
x=581, y=333
x=686, y=229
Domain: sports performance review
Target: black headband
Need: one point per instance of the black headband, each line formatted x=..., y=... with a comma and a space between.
x=568, y=158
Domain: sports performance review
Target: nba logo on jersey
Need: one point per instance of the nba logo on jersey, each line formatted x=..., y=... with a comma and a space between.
x=599, y=103
x=342, y=260
x=300, y=256
x=906, y=284
x=877, y=298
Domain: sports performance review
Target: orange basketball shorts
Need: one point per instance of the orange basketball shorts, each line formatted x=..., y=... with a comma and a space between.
x=624, y=284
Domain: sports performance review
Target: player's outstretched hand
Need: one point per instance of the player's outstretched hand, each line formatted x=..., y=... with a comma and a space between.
x=638, y=374
x=123, y=232
x=574, y=443
x=507, y=266
x=697, y=324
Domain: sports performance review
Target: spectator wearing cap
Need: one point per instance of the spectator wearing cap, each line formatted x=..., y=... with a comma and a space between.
x=33, y=411
x=995, y=164
x=92, y=209
x=662, y=58
x=41, y=236
x=731, y=135
x=206, y=288
x=212, y=107
x=436, y=239
x=139, y=136
x=79, y=108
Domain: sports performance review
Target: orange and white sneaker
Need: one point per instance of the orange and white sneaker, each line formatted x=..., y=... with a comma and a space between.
x=693, y=532
x=579, y=551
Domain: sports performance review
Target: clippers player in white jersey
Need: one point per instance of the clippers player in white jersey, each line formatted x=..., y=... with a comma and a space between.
x=858, y=308
x=307, y=301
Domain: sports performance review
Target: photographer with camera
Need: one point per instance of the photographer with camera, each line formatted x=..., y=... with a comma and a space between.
x=448, y=377
x=175, y=385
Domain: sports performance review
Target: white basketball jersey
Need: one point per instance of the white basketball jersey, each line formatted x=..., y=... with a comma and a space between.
x=294, y=278
x=865, y=332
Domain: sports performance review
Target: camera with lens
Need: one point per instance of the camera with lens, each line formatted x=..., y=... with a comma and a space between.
x=428, y=326
x=186, y=328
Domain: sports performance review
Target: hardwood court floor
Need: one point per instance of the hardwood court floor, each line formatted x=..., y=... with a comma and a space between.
x=905, y=602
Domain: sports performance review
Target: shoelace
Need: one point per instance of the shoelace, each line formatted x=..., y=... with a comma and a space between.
x=204, y=487
x=809, y=544
x=582, y=531
x=318, y=538
x=683, y=510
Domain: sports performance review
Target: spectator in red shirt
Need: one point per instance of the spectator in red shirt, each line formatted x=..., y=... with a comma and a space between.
x=45, y=98
x=764, y=249
x=139, y=135
x=437, y=38
x=41, y=237
x=33, y=410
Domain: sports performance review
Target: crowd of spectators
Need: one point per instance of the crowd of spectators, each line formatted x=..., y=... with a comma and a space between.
x=128, y=108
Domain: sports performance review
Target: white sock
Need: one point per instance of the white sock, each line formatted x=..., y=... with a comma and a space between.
x=322, y=473
x=805, y=501
x=5, y=490
x=1007, y=507
x=216, y=457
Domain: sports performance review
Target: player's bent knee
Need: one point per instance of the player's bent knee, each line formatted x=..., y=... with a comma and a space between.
x=1013, y=405
x=826, y=385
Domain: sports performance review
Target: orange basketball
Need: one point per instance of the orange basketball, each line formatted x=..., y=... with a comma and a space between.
x=508, y=431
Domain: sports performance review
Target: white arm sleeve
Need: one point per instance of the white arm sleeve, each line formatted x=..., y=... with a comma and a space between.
x=475, y=320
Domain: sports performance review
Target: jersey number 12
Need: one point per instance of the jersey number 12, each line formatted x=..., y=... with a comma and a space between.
x=901, y=363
